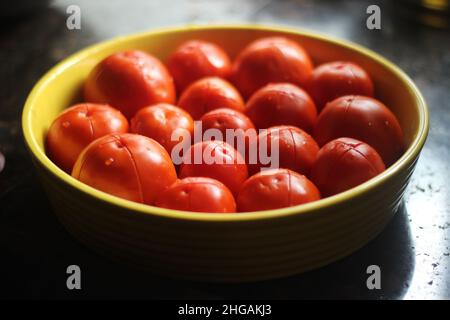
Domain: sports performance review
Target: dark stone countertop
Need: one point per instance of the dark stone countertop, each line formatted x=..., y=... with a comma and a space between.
x=413, y=251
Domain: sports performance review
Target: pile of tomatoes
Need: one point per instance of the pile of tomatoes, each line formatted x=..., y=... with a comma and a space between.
x=330, y=132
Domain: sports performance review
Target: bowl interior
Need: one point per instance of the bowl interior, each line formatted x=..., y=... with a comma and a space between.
x=62, y=85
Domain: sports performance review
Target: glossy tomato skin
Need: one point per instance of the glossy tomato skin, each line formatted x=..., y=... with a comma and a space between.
x=216, y=160
x=130, y=80
x=270, y=60
x=198, y=194
x=127, y=165
x=208, y=94
x=196, y=59
x=365, y=119
x=336, y=79
x=274, y=189
x=282, y=104
x=297, y=150
x=343, y=164
x=223, y=119
x=159, y=121
x=78, y=126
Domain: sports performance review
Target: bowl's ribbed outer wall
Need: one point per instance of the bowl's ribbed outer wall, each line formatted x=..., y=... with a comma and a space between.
x=226, y=251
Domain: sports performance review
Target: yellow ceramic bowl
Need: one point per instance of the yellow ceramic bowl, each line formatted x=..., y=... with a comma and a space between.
x=215, y=247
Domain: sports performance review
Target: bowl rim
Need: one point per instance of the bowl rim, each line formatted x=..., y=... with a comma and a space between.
x=307, y=209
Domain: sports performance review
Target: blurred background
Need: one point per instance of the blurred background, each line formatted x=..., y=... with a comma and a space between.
x=413, y=251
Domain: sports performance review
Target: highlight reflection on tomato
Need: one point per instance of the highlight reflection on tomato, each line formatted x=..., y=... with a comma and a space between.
x=196, y=59
x=198, y=194
x=127, y=165
x=336, y=79
x=159, y=121
x=217, y=160
x=297, y=150
x=282, y=104
x=130, y=80
x=274, y=189
x=365, y=119
x=209, y=94
x=78, y=126
x=223, y=119
x=270, y=60
x=345, y=163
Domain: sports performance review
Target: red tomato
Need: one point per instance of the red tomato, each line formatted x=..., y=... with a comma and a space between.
x=223, y=119
x=198, y=194
x=78, y=126
x=343, y=164
x=208, y=94
x=267, y=60
x=282, y=104
x=127, y=165
x=274, y=189
x=365, y=119
x=160, y=121
x=196, y=59
x=130, y=80
x=217, y=160
x=336, y=79
x=297, y=150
